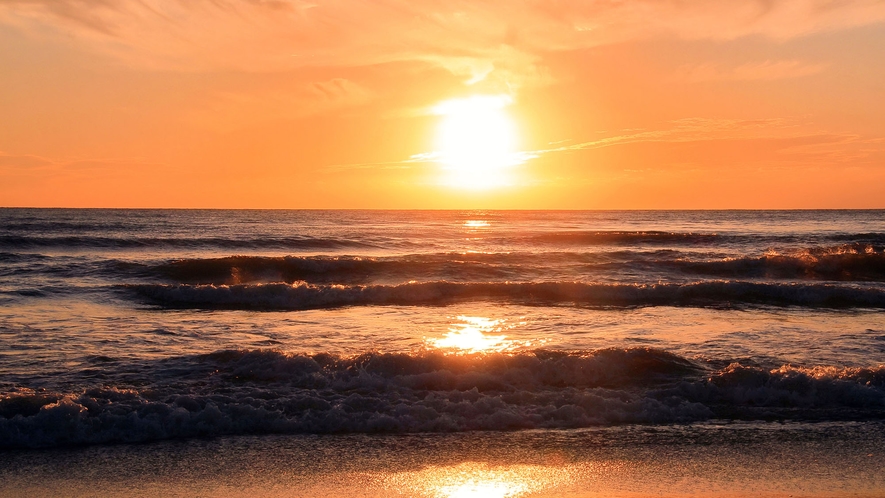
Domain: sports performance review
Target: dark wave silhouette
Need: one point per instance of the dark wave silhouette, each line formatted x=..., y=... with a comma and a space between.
x=854, y=262
x=617, y=237
x=301, y=295
x=849, y=262
x=264, y=391
x=107, y=242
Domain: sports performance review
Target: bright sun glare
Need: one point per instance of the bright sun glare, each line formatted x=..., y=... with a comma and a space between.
x=476, y=141
x=476, y=334
x=471, y=335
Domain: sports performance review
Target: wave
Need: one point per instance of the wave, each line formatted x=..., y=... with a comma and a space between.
x=616, y=237
x=97, y=237
x=302, y=296
x=852, y=262
x=703, y=239
x=343, y=269
x=11, y=257
x=497, y=266
x=134, y=242
x=265, y=391
x=876, y=238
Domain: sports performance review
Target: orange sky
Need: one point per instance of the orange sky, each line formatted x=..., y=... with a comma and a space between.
x=329, y=104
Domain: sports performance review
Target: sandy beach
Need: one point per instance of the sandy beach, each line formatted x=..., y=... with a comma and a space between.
x=710, y=460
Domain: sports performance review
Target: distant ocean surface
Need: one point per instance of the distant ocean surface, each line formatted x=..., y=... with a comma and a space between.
x=123, y=326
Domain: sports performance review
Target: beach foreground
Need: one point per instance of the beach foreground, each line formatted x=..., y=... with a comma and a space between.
x=729, y=460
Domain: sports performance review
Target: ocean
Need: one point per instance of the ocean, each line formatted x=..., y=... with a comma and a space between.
x=381, y=353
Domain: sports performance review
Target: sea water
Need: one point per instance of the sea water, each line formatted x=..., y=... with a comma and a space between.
x=170, y=326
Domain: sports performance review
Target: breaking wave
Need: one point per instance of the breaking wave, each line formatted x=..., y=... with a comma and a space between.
x=265, y=391
x=301, y=295
x=851, y=262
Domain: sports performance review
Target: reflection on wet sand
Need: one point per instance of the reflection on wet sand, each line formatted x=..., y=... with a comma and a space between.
x=691, y=461
x=473, y=479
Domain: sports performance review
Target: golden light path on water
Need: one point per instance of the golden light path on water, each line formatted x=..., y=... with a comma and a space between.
x=477, y=334
x=476, y=224
x=471, y=335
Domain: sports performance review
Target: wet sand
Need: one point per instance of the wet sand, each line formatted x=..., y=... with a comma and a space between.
x=720, y=460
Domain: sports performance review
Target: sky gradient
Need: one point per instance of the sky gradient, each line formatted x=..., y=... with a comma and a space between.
x=335, y=104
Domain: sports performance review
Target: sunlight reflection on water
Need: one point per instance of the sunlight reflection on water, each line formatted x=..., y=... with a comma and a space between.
x=476, y=223
x=473, y=335
x=476, y=334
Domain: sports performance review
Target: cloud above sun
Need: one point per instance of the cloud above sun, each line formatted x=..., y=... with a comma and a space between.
x=497, y=38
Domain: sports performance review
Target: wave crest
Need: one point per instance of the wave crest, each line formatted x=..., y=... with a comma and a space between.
x=128, y=242
x=265, y=391
x=618, y=237
x=850, y=262
x=301, y=295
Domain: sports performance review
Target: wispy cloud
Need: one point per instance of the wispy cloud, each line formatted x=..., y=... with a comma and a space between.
x=499, y=41
x=762, y=71
x=23, y=162
x=787, y=139
x=28, y=164
x=225, y=111
x=685, y=130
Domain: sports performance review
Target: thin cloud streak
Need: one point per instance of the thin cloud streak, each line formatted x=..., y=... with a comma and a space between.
x=837, y=147
x=767, y=70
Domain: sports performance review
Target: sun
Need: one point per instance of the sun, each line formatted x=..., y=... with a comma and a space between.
x=477, y=142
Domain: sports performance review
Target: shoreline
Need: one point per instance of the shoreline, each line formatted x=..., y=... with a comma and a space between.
x=722, y=460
